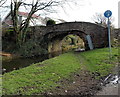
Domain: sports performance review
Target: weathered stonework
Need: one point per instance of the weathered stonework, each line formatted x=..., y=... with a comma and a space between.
x=53, y=34
x=116, y=33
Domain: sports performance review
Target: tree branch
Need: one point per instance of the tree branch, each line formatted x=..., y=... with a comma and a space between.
x=2, y=2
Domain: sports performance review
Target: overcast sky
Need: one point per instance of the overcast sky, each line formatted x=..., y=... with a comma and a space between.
x=84, y=10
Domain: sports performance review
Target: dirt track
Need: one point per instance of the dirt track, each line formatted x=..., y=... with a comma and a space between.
x=85, y=85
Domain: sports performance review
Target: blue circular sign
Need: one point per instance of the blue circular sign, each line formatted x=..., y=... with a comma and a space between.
x=107, y=13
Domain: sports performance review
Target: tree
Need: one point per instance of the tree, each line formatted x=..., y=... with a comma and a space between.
x=32, y=7
x=101, y=20
x=35, y=6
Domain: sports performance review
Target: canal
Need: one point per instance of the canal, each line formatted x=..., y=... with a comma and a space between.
x=21, y=62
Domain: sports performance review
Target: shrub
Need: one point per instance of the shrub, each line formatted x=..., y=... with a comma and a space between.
x=32, y=48
x=50, y=22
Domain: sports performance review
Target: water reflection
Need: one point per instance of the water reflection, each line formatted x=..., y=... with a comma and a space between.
x=17, y=63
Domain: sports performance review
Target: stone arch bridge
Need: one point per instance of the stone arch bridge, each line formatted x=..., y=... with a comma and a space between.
x=53, y=35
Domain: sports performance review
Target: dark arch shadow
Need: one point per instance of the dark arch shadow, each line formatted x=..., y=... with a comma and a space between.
x=54, y=39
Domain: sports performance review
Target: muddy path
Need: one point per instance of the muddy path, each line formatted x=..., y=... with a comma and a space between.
x=84, y=84
x=81, y=84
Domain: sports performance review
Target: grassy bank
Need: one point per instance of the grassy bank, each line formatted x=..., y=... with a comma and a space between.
x=44, y=76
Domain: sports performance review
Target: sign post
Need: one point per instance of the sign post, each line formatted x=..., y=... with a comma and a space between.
x=107, y=14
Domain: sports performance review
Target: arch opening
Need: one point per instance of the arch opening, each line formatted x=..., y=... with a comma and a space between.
x=72, y=42
x=60, y=42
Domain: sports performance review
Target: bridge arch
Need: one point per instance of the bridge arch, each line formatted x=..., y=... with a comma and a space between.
x=55, y=40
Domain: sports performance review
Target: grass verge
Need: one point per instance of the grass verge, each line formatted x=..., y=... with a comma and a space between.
x=43, y=76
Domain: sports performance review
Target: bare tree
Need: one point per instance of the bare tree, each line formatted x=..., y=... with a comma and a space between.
x=100, y=19
x=35, y=6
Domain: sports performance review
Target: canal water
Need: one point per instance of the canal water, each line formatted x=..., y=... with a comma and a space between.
x=18, y=63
